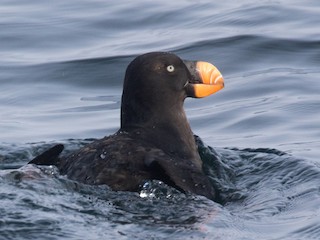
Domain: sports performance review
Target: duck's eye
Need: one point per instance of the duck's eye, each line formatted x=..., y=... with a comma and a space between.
x=170, y=68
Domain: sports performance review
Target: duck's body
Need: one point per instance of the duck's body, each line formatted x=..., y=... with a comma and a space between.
x=155, y=140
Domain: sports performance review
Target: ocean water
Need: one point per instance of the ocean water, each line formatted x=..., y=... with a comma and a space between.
x=62, y=65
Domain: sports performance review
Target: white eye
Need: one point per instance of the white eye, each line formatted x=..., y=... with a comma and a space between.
x=170, y=68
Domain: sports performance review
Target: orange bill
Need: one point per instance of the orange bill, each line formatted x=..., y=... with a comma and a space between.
x=211, y=80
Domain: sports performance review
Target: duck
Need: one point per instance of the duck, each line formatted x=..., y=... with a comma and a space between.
x=155, y=140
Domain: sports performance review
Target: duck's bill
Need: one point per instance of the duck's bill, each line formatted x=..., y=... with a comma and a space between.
x=206, y=79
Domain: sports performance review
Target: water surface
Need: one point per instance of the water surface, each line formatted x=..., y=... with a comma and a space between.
x=62, y=66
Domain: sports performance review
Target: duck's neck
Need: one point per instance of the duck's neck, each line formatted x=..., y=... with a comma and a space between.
x=169, y=131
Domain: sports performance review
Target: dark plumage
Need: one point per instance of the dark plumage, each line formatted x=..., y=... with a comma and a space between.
x=155, y=140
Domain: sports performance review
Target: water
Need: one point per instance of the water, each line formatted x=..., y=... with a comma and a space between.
x=62, y=65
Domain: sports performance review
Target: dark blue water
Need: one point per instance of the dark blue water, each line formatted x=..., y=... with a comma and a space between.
x=61, y=69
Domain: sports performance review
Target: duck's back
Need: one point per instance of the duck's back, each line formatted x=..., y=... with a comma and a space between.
x=124, y=161
x=117, y=160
